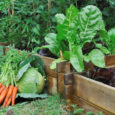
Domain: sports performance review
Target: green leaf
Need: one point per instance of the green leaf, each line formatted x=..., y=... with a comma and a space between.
x=90, y=113
x=53, y=46
x=87, y=58
x=104, y=37
x=22, y=71
x=102, y=48
x=72, y=13
x=101, y=113
x=111, y=34
x=53, y=65
x=60, y=18
x=90, y=20
x=66, y=55
x=76, y=59
x=78, y=111
x=36, y=62
x=31, y=95
x=51, y=38
x=97, y=58
x=67, y=30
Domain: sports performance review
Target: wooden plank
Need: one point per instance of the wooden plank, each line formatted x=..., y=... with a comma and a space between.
x=48, y=61
x=110, y=61
x=60, y=83
x=88, y=107
x=68, y=79
x=52, y=85
x=63, y=67
x=95, y=92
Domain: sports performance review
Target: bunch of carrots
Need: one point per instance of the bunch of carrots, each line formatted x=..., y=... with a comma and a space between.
x=7, y=95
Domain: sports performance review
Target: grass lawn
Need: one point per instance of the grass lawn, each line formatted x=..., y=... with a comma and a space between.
x=49, y=106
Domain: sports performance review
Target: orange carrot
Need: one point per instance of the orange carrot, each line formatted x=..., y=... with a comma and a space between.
x=0, y=85
x=3, y=94
x=9, y=101
x=15, y=90
x=2, y=88
x=10, y=90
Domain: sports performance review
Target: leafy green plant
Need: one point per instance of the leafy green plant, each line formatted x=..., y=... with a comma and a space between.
x=107, y=8
x=109, y=39
x=75, y=30
x=24, y=23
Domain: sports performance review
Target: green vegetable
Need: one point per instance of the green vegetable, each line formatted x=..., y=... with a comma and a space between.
x=109, y=39
x=75, y=29
x=31, y=82
x=9, y=66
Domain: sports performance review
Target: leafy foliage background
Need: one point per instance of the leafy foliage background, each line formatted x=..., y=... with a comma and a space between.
x=24, y=23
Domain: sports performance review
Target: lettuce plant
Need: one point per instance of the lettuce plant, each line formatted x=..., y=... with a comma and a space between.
x=74, y=30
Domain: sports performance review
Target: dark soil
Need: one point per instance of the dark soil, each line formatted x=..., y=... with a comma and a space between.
x=104, y=75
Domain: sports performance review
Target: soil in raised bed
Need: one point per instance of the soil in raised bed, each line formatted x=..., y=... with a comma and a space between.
x=104, y=75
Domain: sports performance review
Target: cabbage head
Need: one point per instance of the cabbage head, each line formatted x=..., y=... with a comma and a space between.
x=31, y=82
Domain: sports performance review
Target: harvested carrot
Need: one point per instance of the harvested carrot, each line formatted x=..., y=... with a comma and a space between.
x=15, y=90
x=10, y=90
x=0, y=85
x=9, y=101
x=2, y=88
x=3, y=94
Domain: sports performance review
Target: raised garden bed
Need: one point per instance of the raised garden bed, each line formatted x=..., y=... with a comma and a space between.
x=90, y=94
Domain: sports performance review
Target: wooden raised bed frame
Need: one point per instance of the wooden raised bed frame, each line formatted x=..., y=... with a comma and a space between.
x=90, y=94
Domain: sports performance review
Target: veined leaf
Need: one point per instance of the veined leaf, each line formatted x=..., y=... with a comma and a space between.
x=90, y=21
x=103, y=49
x=76, y=59
x=60, y=18
x=67, y=30
x=72, y=13
x=50, y=38
x=111, y=34
x=97, y=58
x=53, y=46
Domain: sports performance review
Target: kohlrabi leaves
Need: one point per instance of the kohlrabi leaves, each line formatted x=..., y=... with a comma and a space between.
x=97, y=58
x=76, y=59
x=90, y=20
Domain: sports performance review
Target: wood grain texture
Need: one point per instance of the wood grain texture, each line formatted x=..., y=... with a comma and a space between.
x=110, y=61
x=95, y=92
x=88, y=106
x=52, y=85
x=62, y=68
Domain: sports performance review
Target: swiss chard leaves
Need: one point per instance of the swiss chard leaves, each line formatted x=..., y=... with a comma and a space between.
x=90, y=20
x=75, y=29
x=76, y=59
x=97, y=58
